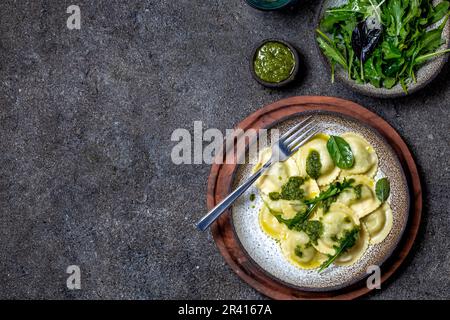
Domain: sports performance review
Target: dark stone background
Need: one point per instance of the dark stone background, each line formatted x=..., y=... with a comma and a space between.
x=85, y=124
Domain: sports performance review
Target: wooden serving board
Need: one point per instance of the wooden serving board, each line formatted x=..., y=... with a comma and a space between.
x=221, y=179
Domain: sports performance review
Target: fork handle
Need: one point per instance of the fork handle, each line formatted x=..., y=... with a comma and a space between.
x=215, y=213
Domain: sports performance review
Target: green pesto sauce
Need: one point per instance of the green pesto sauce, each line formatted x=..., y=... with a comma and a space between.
x=313, y=228
x=290, y=190
x=274, y=62
x=298, y=251
x=313, y=164
x=358, y=190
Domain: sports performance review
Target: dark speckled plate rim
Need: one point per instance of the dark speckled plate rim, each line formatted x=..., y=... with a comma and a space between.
x=362, y=89
x=357, y=281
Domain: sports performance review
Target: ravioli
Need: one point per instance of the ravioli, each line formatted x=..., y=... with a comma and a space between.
x=366, y=159
x=366, y=202
x=311, y=188
x=336, y=222
x=299, y=252
x=379, y=223
x=270, y=225
x=353, y=254
x=277, y=175
x=328, y=170
x=287, y=208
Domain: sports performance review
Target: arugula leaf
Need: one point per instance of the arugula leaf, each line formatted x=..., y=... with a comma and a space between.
x=335, y=17
x=346, y=242
x=334, y=189
x=326, y=203
x=298, y=219
x=390, y=49
x=396, y=13
x=371, y=73
x=382, y=189
x=389, y=82
x=340, y=152
x=330, y=50
x=425, y=57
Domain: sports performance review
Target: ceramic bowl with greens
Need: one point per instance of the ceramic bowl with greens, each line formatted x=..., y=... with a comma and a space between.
x=384, y=48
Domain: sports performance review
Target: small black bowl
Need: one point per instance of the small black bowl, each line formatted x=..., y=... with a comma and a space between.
x=283, y=83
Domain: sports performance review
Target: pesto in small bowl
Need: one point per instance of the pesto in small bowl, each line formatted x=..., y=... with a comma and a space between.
x=274, y=63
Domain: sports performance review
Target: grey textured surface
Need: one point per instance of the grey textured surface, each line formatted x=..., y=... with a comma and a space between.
x=84, y=175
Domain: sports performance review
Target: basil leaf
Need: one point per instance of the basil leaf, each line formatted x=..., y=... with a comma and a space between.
x=364, y=40
x=313, y=164
x=340, y=152
x=382, y=189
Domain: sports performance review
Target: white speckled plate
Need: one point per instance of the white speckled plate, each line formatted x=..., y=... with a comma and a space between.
x=424, y=76
x=266, y=253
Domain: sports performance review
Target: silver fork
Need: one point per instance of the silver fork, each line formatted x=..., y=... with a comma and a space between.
x=288, y=143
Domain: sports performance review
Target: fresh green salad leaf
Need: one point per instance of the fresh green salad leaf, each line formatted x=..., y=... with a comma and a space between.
x=382, y=189
x=332, y=52
x=340, y=152
x=437, y=13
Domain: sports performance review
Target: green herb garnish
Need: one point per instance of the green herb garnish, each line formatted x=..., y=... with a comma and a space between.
x=347, y=241
x=252, y=197
x=333, y=190
x=326, y=204
x=298, y=219
x=327, y=197
x=382, y=189
x=313, y=164
x=340, y=152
